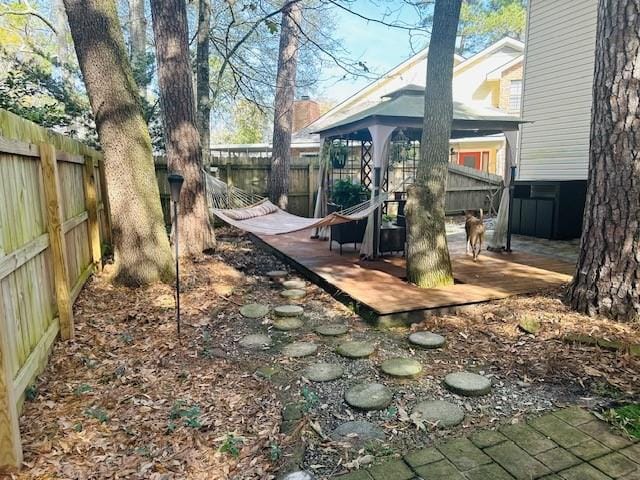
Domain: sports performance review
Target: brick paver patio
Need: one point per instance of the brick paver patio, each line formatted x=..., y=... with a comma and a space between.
x=570, y=444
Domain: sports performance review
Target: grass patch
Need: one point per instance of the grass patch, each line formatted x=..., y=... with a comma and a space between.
x=626, y=418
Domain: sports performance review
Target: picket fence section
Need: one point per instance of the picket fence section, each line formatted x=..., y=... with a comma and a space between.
x=54, y=220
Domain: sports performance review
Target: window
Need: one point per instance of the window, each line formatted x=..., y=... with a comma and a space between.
x=515, y=93
x=470, y=159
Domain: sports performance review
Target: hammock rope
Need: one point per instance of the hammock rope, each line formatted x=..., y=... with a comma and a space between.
x=255, y=214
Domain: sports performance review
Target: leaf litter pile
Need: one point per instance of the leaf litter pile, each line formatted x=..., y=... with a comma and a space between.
x=124, y=399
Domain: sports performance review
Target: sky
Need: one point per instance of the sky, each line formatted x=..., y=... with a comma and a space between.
x=380, y=47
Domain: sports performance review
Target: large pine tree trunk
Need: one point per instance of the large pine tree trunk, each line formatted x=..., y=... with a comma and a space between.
x=607, y=278
x=202, y=76
x=428, y=262
x=283, y=105
x=141, y=246
x=184, y=154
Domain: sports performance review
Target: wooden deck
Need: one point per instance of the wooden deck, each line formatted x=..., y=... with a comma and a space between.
x=382, y=288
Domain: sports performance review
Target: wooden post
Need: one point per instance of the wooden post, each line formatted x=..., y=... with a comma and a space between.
x=56, y=238
x=91, y=204
x=229, y=181
x=104, y=194
x=10, y=445
x=310, y=188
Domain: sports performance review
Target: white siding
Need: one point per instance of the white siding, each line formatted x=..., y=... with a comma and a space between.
x=558, y=77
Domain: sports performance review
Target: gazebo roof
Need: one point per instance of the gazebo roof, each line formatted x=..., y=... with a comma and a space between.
x=404, y=108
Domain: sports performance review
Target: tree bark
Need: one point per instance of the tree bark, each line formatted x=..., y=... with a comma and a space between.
x=428, y=262
x=62, y=39
x=607, y=278
x=283, y=105
x=141, y=246
x=137, y=31
x=184, y=154
x=202, y=77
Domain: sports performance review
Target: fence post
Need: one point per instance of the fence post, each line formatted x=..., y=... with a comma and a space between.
x=90, y=201
x=10, y=445
x=56, y=238
x=310, y=188
x=229, y=181
x=104, y=194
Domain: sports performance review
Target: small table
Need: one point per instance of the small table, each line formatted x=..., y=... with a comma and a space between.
x=392, y=238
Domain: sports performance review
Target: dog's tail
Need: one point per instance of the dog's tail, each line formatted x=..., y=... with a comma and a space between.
x=481, y=214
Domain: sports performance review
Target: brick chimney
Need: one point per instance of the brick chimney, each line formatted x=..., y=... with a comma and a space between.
x=305, y=111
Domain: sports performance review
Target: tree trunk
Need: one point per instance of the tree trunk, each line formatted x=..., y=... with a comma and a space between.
x=183, y=151
x=202, y=77
x=283, y=105
x=137, y=30
x=428, y=262
x=141, y=246
x=607, y=278
x=62, y=39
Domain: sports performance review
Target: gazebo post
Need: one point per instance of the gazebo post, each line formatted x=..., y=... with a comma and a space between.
x=376, y=217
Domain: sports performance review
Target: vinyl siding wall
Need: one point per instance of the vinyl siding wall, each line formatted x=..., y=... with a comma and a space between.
x=558, y=79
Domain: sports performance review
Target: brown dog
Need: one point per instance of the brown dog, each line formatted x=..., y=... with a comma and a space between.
x=475, y=232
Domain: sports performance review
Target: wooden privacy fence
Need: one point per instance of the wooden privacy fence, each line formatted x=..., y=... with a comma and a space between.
x=467, y=188
x=54, y=219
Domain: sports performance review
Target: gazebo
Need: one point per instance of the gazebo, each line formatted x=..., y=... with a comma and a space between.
x=399, y=117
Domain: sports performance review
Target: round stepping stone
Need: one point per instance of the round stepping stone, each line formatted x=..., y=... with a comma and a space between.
x=357, y=432
x=401, y=367
x=444, y=414
x=355, y=349
x=300, y=349
x=467, y=384
x=285, y=324
x=332, y=330
x=254, y=310
x=426, y=339
x=299, y=475
x=276, y=274
x=368, y=396
x=255, y=340
x=289, y=310
x=323, y=372
x=294, y=285
x=294, y=294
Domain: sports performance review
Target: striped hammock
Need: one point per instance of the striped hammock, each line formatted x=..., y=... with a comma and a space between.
x=252, y=213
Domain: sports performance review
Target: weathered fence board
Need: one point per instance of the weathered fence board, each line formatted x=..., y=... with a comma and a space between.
x=54, y=217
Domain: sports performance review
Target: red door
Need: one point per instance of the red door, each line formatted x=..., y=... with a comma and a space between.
x=470, y=159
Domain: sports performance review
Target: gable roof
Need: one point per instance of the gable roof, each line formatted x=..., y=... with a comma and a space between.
x=360, y=97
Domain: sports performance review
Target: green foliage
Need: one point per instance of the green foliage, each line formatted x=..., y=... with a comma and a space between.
x=483, y=22
x=310, y=397
x=31, y=392
x=248, y=124
x=347, y=194
x=275, y=452
x=82, y=389
x=627, y=418
x=231, y=445
x=97, y=413
x=190, y=415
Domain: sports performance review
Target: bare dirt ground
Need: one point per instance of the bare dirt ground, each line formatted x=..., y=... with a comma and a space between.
x=125, y=399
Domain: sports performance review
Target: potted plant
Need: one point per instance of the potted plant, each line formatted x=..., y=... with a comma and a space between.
x=339, y=153
x=387, y=221
x=347, y=194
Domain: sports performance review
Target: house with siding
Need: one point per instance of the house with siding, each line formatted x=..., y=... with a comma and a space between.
x=490, y=78
x=553, y=153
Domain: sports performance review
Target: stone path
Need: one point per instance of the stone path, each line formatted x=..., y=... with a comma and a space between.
x=570, y=444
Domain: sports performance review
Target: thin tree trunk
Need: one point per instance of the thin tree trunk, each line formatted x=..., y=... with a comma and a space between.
x=184, y=154
x=137, y=31
x=141, y=246
x=283, y=105
x=428, y=262
x=62, y=39
x=202, y=77
x=607, y=278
